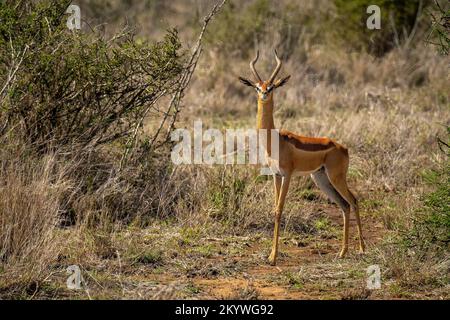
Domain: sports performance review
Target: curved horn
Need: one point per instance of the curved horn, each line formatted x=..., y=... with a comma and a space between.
x=252, y=67
x=277, y=69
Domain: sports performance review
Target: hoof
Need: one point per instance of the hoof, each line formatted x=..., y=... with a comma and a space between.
x=343, y=253
x=362, y=247
x=272, y=260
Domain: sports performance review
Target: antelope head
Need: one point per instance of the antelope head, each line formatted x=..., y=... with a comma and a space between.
x=265, y=89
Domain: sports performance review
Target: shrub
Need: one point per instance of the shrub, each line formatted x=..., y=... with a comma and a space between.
x=431, y=228
x=440, y=28
x=73, y=88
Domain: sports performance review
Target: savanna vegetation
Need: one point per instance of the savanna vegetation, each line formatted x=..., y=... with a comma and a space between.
x=86, y=177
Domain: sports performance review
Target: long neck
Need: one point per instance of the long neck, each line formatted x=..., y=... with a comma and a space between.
x=265, y=114
x=265, y=121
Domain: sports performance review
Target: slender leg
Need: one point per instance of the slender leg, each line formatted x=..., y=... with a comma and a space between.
x=340, y=184
x=277, y=183
x=345, y=238
x=279, y=211
x=362, y=246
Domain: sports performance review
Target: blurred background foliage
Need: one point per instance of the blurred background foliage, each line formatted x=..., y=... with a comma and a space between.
x=242, y=26
x=400, y=21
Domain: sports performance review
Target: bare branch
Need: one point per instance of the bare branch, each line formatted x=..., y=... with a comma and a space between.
x=12, y=74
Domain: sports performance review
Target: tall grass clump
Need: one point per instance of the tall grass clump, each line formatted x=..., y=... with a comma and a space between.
x=32, y=194
x=417, y=254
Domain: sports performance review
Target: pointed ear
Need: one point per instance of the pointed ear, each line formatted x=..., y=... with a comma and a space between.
x=246, y=82
x=281, y=82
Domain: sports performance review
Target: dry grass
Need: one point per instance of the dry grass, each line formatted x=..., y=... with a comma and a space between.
x=189, y=230
x=31, y=203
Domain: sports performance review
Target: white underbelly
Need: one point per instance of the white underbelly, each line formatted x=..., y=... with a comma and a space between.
x=303, y=173
x=276, y=169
